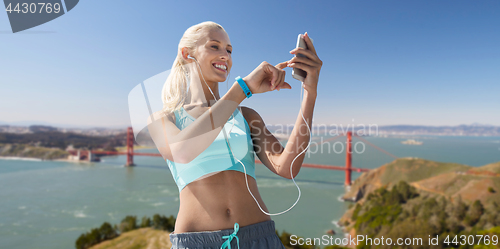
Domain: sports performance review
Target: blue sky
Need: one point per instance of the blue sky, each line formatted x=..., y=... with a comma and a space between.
x=384, y=62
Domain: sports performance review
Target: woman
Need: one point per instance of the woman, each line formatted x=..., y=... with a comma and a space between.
x=216, y=209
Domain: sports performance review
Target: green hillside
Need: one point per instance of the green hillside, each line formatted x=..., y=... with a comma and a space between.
x=417, y=198
x=23, y=150
x=140, y=238
x=412, y=170
x=493, y=167
x=444, y=179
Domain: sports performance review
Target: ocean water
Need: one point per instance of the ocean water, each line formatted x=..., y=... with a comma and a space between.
x=47, y=204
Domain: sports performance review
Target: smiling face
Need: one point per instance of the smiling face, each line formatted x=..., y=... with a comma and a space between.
x=214, y=55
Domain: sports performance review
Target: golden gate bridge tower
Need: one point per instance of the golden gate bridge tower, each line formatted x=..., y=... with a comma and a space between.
x=347, y=168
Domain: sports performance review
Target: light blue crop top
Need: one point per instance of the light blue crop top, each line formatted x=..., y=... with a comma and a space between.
x=218, y=156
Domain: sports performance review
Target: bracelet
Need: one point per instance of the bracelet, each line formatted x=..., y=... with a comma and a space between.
x=244, y=86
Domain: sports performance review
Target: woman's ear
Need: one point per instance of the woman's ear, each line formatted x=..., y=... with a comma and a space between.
x=185, y=53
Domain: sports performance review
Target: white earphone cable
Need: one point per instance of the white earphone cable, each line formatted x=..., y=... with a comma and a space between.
x=244, y=168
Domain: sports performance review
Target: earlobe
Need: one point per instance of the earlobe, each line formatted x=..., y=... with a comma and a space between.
x=185, y=54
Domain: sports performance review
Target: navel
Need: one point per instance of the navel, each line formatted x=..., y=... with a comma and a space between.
x=228, y=211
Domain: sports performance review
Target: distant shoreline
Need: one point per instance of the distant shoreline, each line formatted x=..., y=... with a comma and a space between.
x=136, y=147
x=20, y=158
x=33, y=159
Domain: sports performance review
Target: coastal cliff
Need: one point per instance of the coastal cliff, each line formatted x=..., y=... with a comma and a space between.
x=443, y=179
x=413, y=197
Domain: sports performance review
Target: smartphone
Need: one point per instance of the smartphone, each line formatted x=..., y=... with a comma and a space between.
x=300, y=74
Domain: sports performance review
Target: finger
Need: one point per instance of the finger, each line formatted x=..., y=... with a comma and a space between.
x=281, y=80
x=278, y=81
x=274, y=73
x=284, y=77
x=309, y=43
x=302, y=66
x=282, y=65
x=286, y=86
x=304, y=60
x=305, y=52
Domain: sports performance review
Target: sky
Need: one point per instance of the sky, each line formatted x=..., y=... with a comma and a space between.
x=426, y=62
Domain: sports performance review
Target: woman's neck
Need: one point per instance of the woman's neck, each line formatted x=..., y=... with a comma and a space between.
x=200, y=95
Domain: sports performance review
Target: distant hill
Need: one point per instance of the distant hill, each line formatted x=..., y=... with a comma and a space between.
x=459, y=130
x=493, y=167
x=147, y=238
x=62, y=140
x=417, y=198
x=396, y=130
x=445, y=179
x=27, y=151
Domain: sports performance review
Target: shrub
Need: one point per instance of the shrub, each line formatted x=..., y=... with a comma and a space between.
x=129, y=223
x=107, y=232
x=163, y=223
x=146, y=222
x=474, y=213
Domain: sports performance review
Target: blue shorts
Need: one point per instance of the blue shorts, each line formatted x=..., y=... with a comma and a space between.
x=260, y=235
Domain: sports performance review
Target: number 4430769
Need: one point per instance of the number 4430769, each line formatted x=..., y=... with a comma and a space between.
x=32, y=8
x=471, y=239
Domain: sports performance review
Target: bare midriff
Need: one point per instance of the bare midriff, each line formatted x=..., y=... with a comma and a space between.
x=217, y=202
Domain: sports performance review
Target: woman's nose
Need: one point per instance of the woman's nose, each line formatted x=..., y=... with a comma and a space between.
x=225, y=55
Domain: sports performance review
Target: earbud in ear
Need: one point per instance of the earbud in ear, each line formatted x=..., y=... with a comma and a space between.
x=190, y=57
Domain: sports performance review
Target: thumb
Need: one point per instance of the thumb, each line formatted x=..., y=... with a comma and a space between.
x=286, y=86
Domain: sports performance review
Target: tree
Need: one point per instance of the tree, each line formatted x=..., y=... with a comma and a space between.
x=474, y=213
x=146, y=222
x=107, y=231
x=82, y=242
x=460, y=209
x=406, y=190
x=128, y=224
x=171, y=223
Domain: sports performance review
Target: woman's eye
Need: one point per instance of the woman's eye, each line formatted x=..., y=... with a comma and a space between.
x=229, y=51
x=215, y=46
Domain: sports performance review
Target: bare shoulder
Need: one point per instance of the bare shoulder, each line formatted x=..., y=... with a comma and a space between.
x=159, y=115
x=252, y=117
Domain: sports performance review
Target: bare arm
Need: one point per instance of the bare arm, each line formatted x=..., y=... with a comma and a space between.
x=268, y=148
x=299, y=139
x=270, y=151
x=184, y=145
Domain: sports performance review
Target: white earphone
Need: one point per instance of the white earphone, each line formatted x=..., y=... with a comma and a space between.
x=246, y=176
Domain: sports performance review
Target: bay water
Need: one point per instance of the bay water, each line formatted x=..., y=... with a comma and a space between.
x=48, y=204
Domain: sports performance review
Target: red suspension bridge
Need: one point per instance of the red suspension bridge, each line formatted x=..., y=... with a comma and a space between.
x=347, y=168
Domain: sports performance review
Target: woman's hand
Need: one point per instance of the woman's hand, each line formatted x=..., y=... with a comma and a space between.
x=267, y=77
x=311, y=64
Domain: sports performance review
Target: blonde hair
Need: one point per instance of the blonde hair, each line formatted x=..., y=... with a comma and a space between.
x=174, y=90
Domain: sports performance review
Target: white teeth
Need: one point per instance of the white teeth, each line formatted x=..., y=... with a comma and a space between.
x=220, y=66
